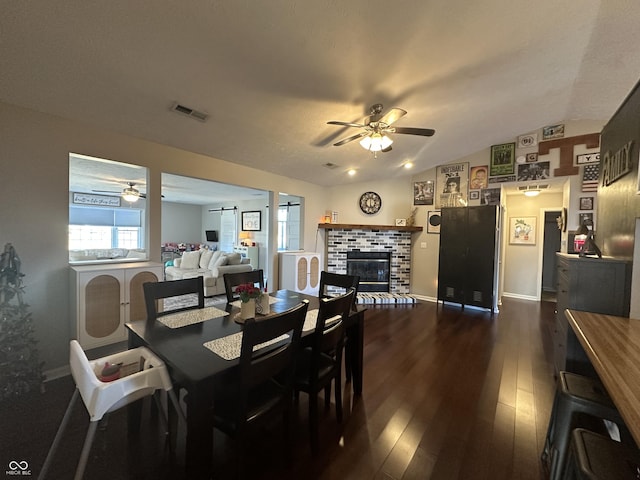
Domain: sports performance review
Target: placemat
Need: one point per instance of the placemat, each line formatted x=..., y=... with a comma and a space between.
x=312, y=318
x=229, y=347
x=189, y=317
x=272, y=300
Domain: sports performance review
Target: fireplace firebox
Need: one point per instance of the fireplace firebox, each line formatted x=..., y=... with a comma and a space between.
x=373, y=268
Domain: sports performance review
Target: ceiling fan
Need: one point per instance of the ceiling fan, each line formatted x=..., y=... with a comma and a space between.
x=130, y=193
x=375, y=132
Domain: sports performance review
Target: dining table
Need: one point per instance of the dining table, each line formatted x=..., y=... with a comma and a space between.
x=199, y=346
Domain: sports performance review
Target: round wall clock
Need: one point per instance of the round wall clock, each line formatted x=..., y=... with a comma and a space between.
x=370, y=203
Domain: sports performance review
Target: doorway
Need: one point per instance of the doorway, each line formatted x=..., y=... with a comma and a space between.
x=552, y=237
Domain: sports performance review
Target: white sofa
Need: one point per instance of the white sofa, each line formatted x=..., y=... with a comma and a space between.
x=210, y=265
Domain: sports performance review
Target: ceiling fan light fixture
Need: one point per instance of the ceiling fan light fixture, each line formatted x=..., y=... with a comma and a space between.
x=130, y=194
x=376, y=142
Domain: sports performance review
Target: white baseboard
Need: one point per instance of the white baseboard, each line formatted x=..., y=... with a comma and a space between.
x=520, y=297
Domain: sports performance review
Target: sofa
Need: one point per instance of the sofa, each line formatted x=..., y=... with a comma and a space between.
x=211, y=265
x=101, y=254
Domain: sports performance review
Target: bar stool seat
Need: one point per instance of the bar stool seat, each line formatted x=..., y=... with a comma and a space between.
x=596, y=457
x=575, y=394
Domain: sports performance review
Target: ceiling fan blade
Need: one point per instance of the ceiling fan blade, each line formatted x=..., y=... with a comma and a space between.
x=107, y=191
x=346, y=124
x=388, y=149
x=350, y=139
x=425, y=132
x=392, y=115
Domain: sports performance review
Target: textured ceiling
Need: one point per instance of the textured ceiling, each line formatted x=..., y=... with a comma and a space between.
x=270, y=74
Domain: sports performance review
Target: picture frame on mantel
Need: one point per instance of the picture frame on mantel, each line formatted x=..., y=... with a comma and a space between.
x=251, y=221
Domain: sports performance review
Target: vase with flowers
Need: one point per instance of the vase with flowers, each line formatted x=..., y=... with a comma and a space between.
x=248, y=294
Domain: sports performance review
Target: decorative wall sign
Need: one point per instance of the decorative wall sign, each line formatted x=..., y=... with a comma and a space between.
x=522, y=230
x=586, y=158
x=532, y=157
x=251, y=221
x=503, y=158
x=423, y=192
x=474, y=194
x=401, y=222
x=95, y=200
x=616, y=165
x=503, y=179
x=553, y=131
x=566, y=145
x=433, y=221
x=525, y=141
x=452, y=184
x=590, y=174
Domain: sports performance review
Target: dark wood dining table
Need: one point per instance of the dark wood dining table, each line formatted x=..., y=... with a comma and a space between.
x=195, y=368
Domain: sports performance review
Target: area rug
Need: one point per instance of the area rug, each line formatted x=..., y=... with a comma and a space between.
x=386, y=299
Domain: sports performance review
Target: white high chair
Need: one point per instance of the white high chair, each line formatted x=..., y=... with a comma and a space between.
x=103, y=397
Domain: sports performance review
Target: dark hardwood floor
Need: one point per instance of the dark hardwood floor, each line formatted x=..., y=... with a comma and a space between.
x=448, y=394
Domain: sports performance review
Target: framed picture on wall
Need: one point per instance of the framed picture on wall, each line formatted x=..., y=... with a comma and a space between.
x=586, y=203
x=522, y=230
x=251, y=221
x=503, y=158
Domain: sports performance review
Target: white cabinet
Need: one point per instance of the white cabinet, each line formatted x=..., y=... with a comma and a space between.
x=300, y=271
x=252, y=253
x=105, y=297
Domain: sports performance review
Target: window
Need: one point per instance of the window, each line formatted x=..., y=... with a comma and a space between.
x=99, y=227
x=283, y=214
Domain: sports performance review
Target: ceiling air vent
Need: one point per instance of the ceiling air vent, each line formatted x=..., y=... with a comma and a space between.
x=190, y=112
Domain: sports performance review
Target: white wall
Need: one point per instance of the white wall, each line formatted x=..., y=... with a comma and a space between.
x=182, y=223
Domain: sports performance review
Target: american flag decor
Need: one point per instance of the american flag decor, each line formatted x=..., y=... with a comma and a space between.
x=590, y=174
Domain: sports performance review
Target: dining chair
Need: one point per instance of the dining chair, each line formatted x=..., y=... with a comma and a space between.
x=232, y=280
x=321, y=363
x=262, y=386
x=154, y=291
x=103, y=393
x=337, y=283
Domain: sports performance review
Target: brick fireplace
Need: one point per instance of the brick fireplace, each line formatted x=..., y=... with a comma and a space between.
x=342, y=238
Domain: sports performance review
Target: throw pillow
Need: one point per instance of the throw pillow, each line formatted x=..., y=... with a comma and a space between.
x=222, y=260
x=205, y=258
x=190, y=260
x=234, y=259
x=214, y=258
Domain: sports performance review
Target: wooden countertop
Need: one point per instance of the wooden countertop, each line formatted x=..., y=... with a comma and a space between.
x=613, y=346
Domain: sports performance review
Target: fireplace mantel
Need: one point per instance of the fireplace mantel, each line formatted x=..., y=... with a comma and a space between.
x=349, y=226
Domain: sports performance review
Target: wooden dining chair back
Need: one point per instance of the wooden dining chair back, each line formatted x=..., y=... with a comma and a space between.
x=155, y=291
x=232, y=280
x=321, y=364
x=263, y=383
x=337, y=283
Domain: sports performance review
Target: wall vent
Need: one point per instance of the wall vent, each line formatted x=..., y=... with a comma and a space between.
x=190, y=112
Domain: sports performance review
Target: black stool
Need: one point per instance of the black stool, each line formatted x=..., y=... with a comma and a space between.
x=575, y=394
x=596, y=457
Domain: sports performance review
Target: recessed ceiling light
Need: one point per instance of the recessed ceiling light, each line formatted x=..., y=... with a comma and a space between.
x=351, y=172
x=408, y=165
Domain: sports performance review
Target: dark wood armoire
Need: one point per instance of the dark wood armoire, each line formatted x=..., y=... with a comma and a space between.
x=467, y=271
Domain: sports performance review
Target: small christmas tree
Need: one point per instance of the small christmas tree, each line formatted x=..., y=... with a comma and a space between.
x=20, y=368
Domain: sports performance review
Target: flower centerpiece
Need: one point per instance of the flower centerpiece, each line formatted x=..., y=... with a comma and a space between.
x=247, y=291
x=248, y=294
